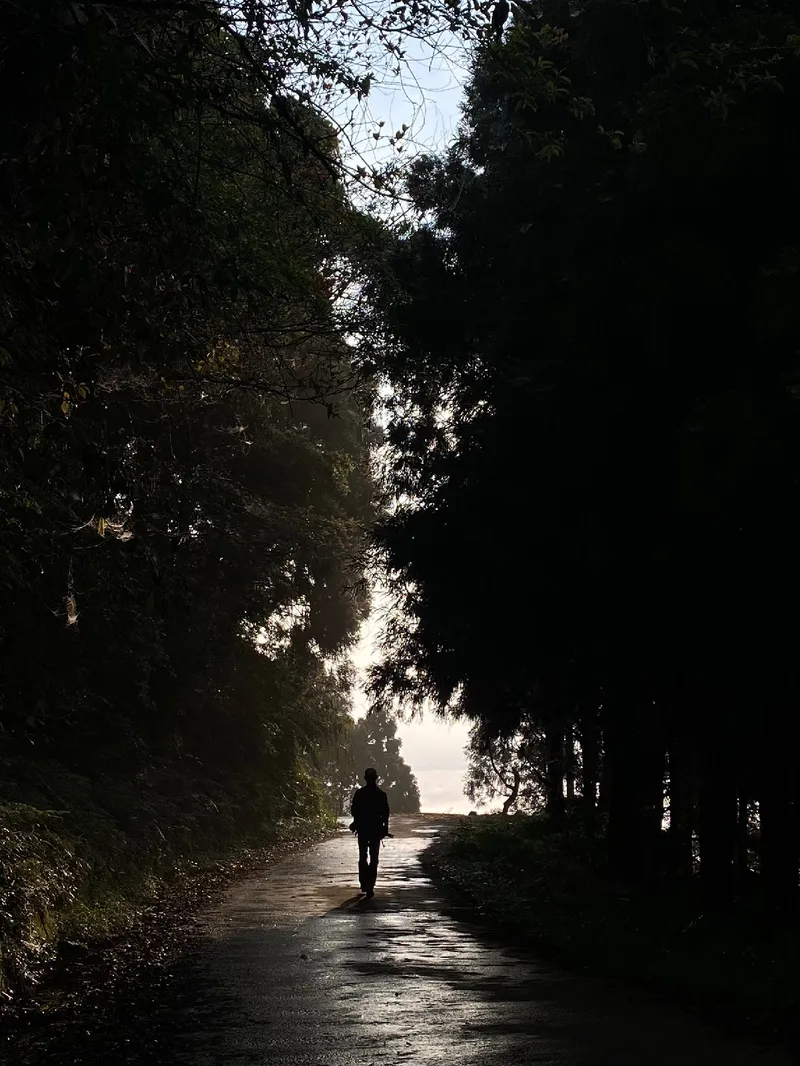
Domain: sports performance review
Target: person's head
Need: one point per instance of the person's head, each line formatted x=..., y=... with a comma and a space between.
x=371, y=776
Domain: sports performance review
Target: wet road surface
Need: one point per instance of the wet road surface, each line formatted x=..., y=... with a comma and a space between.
x=292, y=969
x=295, y=971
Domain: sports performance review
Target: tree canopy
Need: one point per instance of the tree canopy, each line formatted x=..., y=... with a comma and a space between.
x=593, y=422
x=185, y=429
x=371, y=741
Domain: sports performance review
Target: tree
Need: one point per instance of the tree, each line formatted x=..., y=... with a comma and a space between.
x=371, y=741
x=186, y=384
x=594, y=421
x=509, y=769
x=184, y=437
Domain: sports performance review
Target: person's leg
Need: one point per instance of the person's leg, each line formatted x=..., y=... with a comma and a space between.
x=363, y=865
x=374, y=851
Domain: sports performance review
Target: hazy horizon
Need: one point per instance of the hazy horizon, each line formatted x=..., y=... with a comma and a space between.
x=433, y=747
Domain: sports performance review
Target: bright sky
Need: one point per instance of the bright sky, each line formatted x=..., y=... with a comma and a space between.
x=424, y=96
x=434, y=749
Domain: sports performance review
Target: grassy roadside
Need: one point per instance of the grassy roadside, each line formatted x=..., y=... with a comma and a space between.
x=549, y=892
x=129, y=969
x=82, y=878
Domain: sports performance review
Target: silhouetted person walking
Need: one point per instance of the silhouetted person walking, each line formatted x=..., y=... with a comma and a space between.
x=370, y=810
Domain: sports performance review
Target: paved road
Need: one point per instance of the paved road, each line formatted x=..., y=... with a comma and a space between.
x=291, y=969
x=294, y=971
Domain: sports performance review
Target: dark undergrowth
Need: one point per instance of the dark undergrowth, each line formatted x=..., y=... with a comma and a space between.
x=549, y=890
x=91, y=863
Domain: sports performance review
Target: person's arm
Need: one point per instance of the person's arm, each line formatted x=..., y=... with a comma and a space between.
x=385, y=815
x=354, y=811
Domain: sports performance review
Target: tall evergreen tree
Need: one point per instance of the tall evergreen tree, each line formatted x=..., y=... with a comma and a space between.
x=370, y=742
x=594, y=421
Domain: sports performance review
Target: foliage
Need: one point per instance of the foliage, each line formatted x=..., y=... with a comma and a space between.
x=593, y=427
x=370, y=741
x=512, y=769
x=39, y=873
x=70, y=878
x=184, y=444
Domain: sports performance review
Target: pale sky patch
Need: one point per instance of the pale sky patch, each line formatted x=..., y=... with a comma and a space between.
x=432, y=747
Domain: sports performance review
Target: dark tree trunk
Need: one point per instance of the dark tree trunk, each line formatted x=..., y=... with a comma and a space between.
x=717, y=823
x=511, y=798
x=778, y=792
x=590, y=768
x=554, y=755
x=778, y=818
x=743, y=835
x=653, y=767
x=636, y=785
x=681, y=806
x=569, y=764
x=604, y=777
x=624, y=830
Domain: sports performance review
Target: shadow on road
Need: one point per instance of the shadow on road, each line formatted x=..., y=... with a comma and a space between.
x=350, y=904
x=294, y=969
